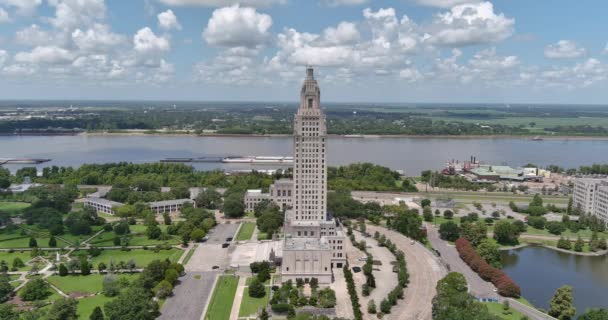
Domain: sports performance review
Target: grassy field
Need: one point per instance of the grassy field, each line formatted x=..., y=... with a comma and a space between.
x=13, y=208
x=140, y=256
x=246, y=231
x=497, y=309
x=15, y=239
x=262, y=236
x=498, y=197
x=585, y=234
x=222, y=299
x=249, y=305
x=138, y=238
x=84, y=284
x=86, y=305
x=9, y=257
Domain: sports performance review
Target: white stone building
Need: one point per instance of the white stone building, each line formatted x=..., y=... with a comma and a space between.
x=314, y=242
x=280, y=192
x=591, y=196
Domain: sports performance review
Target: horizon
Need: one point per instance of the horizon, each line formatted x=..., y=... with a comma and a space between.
x=428, y=51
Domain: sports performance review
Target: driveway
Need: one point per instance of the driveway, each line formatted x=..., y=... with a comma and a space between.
x=221, y=232
x=425, y=271
x=477, y=286
x=189, y=297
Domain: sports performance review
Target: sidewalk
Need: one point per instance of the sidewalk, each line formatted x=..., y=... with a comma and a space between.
x=238, y=297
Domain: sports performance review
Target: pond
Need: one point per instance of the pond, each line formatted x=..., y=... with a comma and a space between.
x=540, y=271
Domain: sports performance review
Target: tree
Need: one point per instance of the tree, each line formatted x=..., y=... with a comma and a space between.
x=6, y=289
x=594, y=314
x=122, y=228
x=537, y=222
x=561, y=305
x=167, y=218
x=234, y=206
x=101, y=267
x=63, y=271
x=371, y=306
x=110, y=286
x=52, y=242
x=264, y=314
x=564, y=243
x=425, y=203
x=449, y=231
x=555, y=227
x=133, y=303
x=209, y=198
x=85, y=268
x=448, y=214
x=490, y=252
x=18, y=263
x=153, y=231
x=474, y=232
x=506, y=233
x=578, y=246
x=63, y=309
x=453, y=302
x=35, y=289
x=97, y=314
x=257, y=288
x=197, y=235
x=427, y=213
x=33, y=243
x=162, y=289
x=8, y=312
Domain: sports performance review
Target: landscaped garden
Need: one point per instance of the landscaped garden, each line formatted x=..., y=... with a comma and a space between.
x=246, y=231
x=251, y=305
x=13, y=208
x=222, y=299
x=141, y=257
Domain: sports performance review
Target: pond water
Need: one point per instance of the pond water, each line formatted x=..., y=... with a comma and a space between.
x=540, y=271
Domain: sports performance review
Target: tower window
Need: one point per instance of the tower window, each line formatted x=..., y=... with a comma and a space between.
x=309, y=103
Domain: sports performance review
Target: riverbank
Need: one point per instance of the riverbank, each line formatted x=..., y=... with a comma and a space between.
x=189, y=133
x=533, y=244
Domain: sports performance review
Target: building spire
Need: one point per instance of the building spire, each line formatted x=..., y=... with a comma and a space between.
x=309, y=73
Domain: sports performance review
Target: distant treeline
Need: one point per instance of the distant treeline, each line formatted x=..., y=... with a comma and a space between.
x=279, y=120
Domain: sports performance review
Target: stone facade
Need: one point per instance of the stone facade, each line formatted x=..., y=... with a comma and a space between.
x=591, y=196
x=314, y=242
x=280, y=192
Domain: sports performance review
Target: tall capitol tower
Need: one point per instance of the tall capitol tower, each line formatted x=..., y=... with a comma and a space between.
x=314, y=242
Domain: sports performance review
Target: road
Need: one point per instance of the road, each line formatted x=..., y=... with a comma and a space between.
x=425, y=271
x=477, y=286
x=189, y=297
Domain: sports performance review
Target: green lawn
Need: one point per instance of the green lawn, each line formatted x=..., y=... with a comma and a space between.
x=222, y=299
x=189, y=255
x=138, y=238
x=141, y=257
x=9, y=257
x=84, y=284
x=13, y=208
x=497, y=309
x=585, y=234
x=249, y=305
x=85, y=306
x=262, y=236
x=246, y=231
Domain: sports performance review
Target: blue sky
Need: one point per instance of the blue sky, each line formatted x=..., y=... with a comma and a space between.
x=502, y=51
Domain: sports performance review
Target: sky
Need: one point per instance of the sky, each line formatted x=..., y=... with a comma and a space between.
x=406, y=51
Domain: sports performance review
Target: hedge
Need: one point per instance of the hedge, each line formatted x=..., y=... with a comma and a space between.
x=505, y=285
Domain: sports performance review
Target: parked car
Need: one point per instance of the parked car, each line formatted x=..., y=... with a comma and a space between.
x=356, y=269
x=225, y=245
x=228, y=239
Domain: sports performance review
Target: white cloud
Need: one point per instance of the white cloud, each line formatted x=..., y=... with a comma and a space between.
x=231, y=66
x=98, y=38
x=344, y=33
x=3, y=57
x=24, y=7
x=237, y=26
x=167, y=20
x=410, y=75
x=582, y=74
x=19, y=70
x=221, y=3
x=564, y=49
x=337, y=3
x=146, y=42
x=34, y=36
x=70, y=14
x=4, y=18
x=45, y=55
x=470, y=24
x=444, y=3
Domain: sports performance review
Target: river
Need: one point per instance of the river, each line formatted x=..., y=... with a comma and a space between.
x=409, y=154
x=540, y=271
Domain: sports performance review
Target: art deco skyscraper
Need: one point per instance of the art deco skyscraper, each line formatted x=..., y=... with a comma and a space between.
x=310, y=165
